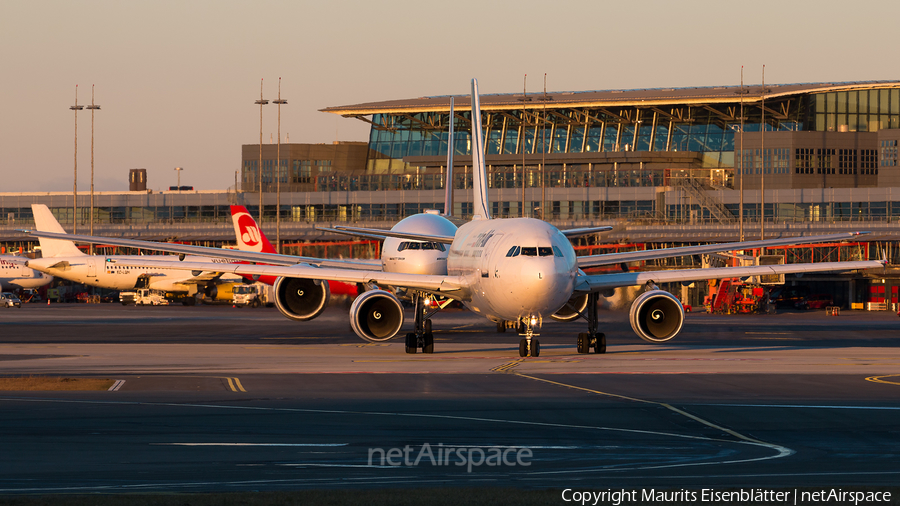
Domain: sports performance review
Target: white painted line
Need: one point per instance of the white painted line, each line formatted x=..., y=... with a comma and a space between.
x=794, y=406
x=116, y=386
x=251, y=444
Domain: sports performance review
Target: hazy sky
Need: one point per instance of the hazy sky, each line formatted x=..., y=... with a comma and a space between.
x=176, y=80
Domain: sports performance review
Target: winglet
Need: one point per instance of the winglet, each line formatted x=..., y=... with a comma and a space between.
x=481, y=207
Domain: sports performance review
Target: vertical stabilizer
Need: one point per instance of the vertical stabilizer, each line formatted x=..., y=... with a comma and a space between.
x=448, y=182
x=44, y=221
x=249, y=236
x=481, y=208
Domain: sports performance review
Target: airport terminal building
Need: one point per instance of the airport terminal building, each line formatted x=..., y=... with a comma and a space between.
x=668, y=166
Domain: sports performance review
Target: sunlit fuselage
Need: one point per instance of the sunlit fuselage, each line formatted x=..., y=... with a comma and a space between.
x=514, y=268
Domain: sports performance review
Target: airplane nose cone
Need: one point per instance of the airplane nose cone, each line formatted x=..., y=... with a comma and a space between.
x=544, y=287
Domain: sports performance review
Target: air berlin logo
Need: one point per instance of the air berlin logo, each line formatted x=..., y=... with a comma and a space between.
x=249, y=231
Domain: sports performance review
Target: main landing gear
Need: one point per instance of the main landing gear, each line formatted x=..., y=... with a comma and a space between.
x=528, y=347
x=423, y=337
x=591, y=338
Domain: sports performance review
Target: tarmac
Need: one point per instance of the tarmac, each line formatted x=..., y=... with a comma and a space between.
x=216, y=398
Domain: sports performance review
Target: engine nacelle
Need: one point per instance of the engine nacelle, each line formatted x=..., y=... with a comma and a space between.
x=570, y=311
x=376, y=315
x=656, y=316
x=301, y=299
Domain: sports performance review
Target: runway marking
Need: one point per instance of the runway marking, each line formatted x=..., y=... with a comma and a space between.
x=366, y=345
x=116, y=386
x=252, y=444
x=809, y=406
x=877, y=379
x=234, y=384
x=771, y=333
x=781, y=451
x=507, y=366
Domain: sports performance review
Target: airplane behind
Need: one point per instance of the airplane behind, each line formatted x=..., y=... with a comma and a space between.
x=61, y=258
x=16, y=275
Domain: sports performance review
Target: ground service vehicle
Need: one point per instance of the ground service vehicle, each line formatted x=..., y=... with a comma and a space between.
x=143, y=297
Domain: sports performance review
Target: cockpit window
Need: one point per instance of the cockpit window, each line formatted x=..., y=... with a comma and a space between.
x=545, y=252
x=415, y=245
x=529, y=252
x=513, y=252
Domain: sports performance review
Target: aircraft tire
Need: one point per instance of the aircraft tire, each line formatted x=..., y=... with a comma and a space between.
x=428, y=326
x=535, y=348
x=501, y=327
x=583, y=343
x=600, y=344
x=411, y=344
x=523, y=348
x=429, y=343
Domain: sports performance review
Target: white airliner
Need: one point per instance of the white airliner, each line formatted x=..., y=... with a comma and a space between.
x=519, y=270
x=15, y=275
x=61, y=258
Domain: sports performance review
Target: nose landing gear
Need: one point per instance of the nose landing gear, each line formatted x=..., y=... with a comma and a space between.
x=529, y=347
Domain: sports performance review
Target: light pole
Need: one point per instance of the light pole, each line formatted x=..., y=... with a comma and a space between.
x=75, y=108
x=280, y=102
x=93, y=107
x=178, y=171
x=261, y=103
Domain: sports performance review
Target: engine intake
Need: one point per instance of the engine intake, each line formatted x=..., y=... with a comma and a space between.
x=570, y=311
x=301, y=299
x=656, y=316
x=376, y=315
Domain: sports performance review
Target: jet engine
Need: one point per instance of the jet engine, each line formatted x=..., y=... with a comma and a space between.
x=570, y=311
x=301, y=299
x=376, y=315
x=656, y=316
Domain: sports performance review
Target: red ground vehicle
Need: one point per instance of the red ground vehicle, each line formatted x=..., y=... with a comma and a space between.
x=819, y=301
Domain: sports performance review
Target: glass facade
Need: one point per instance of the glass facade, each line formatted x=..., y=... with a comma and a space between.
x=706, y=128
x=855, y=111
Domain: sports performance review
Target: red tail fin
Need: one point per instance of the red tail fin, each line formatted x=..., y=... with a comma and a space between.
x=249, y=236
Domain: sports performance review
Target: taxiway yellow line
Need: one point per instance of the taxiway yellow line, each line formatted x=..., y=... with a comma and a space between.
x=877, y=379
x=235, y=385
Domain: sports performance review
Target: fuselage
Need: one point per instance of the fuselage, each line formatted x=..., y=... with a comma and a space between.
x=120, y=272
x=15, y=275
x=514, y=268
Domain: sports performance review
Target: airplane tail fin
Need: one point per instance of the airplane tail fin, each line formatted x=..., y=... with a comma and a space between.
x=481, y=207
x=448, y=184
x=44, y=221
x=249, y=236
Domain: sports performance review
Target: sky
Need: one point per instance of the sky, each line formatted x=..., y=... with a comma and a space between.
x=176, y=80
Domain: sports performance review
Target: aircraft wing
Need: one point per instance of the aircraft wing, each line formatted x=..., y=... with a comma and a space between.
x=597, y=282
x=186, y=249
x=578, y=232
x=381, y=234
x=453, y=286
x=635, y=256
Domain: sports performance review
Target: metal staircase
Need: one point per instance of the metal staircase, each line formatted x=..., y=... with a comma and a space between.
x=698, y=191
